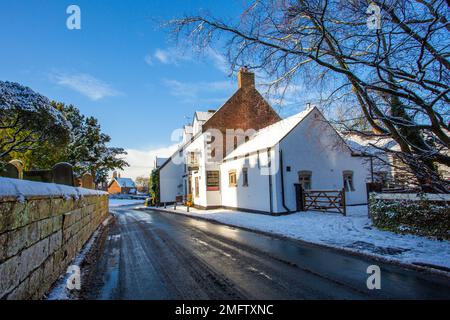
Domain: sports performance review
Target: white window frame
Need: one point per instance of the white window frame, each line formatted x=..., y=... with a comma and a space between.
x=349, y=185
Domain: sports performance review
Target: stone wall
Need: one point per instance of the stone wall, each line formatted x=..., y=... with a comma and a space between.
x=39, y=237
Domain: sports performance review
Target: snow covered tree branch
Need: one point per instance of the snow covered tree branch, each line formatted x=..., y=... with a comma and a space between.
x=28, y=119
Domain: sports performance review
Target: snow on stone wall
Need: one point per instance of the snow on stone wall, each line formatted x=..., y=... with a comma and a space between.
x=23, y=189
x=42, y=227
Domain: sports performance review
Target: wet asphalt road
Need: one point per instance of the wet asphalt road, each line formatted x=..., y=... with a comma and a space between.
x=154, y=255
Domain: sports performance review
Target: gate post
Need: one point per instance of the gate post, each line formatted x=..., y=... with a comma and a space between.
x=343, y=201
x=299, y=197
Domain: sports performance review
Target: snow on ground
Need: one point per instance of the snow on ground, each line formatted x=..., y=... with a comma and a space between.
x=353, y=232
x=123, y=202
x=60, y=290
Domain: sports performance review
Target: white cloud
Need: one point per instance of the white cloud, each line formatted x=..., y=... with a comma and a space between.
x=198, y=91
x=142, y=161
x=282, y=95
x=219, y=61
x=174, y=56
x=148, y=59
x=85, y=84
x=163, y=56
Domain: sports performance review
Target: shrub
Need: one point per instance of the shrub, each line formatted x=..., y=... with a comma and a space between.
x=419, y=216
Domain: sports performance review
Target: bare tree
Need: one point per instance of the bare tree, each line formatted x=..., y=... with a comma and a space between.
x=396, y=71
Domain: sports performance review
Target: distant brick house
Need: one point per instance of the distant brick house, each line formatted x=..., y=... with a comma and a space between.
x=122, y=186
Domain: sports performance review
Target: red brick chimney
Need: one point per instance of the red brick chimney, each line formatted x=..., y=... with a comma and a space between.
x=246, y=79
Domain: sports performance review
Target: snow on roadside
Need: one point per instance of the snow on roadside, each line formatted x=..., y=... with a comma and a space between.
x=59, y=290
x=354, y=232
x=123, y=202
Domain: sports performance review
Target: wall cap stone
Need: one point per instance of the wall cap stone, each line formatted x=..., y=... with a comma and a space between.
x=23, y=189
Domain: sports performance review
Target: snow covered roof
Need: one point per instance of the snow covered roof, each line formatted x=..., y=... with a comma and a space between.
x=23, y=189
x=368, y=144
x=125, y=182
x=269, y=136
x=203, y=115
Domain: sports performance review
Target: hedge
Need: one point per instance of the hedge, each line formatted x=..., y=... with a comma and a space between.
x=420, y=216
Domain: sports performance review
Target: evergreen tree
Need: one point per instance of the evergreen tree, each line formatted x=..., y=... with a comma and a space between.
x=154, y=186
x=88, y=151
x=28, y=122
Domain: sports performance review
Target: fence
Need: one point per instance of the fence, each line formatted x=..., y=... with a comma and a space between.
x=321, y=200
x=379, y=188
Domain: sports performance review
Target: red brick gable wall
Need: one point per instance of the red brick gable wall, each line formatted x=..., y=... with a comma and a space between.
x=114, y=188
x=246, y=109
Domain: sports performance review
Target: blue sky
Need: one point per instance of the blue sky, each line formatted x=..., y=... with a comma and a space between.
x=120, y=67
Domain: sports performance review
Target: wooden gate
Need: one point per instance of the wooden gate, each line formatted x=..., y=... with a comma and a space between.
x=324, y=200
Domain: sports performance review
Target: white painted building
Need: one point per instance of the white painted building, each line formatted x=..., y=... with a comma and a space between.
x=193, y=171
x=258, y=170
x=173, y=181
x=260, y=174
x=303, y=149
x=386, y=168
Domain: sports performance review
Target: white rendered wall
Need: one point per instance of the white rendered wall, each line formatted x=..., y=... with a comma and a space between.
x=315, y=146
x=171, y=181
x=205, y=198
x=253, y=197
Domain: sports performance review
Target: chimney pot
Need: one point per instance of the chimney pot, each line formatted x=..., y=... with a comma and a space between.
x=246, y=79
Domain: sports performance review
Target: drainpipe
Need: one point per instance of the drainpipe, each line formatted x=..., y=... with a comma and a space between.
x=371, y=168
x=282, y=183
x=270, y=179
